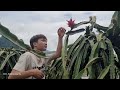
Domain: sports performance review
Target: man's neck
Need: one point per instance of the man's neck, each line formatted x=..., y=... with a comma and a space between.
x=37, y=50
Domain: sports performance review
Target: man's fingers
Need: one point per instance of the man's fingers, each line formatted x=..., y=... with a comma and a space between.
x=61, y=29
x=42, y=74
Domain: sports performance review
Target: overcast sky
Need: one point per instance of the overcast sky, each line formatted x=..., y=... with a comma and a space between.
x=25, y=24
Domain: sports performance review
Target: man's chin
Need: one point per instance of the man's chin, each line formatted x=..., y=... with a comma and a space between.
x=44, y=49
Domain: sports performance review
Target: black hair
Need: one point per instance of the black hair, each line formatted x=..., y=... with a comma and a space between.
x=35, y=39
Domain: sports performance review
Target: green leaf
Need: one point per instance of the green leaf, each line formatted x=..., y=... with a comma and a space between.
x=94, y=52
x=80, y=23
x=94, y=60
x=92, y=19
x=111, y=59
x=77, y=53
x=103, y=45
x=75, y=31
x=99, y=27
x=74, y=45
x=116, y=16
x=78, y=61
x=104, y=72
x=7, y=34
x=2, y=52
x=105, y=58
x=85, y=54
x=70, y=45
x=64, y=57
x=5, y=61
x=117, y=52
x=91, y=67
x=80, y=74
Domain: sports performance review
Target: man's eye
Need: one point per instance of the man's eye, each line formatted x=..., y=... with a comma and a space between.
x=44, y=40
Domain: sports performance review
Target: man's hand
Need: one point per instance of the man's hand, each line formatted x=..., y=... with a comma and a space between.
x=37, y=73
x=61, y=32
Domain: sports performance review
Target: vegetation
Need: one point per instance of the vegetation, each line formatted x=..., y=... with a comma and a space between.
x=5, y=43
x=96, y=56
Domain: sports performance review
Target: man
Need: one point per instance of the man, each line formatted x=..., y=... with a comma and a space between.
x=30, y=66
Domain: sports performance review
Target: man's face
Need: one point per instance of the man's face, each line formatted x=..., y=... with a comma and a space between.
x=41, y=44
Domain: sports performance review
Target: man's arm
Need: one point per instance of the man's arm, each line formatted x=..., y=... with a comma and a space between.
x=15, y=74
x=20, y=75
x=61, y=32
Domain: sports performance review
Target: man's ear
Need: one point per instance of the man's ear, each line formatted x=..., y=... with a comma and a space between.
x=35, y=44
